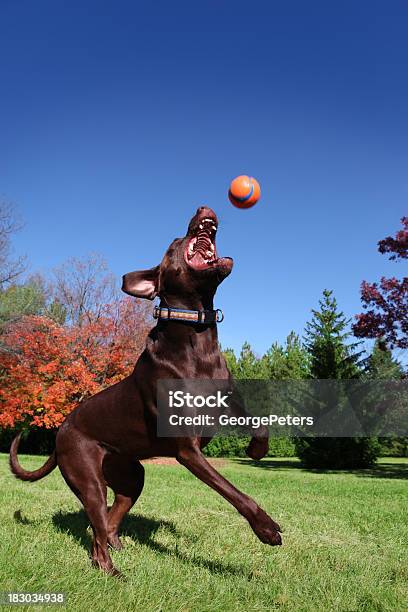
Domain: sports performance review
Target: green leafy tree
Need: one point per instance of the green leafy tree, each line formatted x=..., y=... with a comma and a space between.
x=250, y=366
x=232, y=361
x=246, y=367
x=21, y=300
x=28, y=299
x=333, y=356
x=288, y=362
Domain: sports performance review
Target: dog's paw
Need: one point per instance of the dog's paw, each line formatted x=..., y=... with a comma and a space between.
x=117, y=574
x=266, y=529
x=108, y=568
x=258, y=448
x=115, y=542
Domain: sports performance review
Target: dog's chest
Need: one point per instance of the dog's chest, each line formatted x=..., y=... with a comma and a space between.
x=206, y=359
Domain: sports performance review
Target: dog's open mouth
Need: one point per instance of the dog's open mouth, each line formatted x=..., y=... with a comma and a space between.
x=200, y=252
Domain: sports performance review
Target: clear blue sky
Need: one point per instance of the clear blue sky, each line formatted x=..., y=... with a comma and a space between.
x=119, y=118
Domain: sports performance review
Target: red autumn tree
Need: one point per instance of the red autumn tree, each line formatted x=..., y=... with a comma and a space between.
x=386, y=302
x=49, y=368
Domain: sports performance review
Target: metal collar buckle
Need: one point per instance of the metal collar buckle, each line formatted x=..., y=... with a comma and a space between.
x=219, y=315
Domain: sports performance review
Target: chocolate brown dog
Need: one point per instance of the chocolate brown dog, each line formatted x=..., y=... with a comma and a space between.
x=101, y=442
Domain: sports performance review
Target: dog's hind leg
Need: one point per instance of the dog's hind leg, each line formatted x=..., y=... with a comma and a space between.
x=83, y=473
x=126, y=478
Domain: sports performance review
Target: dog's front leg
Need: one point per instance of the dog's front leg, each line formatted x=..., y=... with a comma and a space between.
x=264, y=527
x=259, y=444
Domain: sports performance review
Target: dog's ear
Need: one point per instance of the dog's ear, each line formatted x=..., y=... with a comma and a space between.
x=142, y=284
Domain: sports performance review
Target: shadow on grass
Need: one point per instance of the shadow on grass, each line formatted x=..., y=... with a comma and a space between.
x=22, y=520
x=382, y=470
x=141, y=529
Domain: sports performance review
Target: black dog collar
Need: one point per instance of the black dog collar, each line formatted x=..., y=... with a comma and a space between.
x=192, y=316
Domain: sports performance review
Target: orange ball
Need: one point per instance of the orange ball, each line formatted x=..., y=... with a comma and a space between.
x=244, y=191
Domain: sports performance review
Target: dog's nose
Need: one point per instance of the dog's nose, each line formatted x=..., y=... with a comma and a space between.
x=204, y=209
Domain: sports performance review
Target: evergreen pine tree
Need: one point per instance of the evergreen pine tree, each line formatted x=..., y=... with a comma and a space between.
x=333, y=356
x=326, y=340
x=381, y=365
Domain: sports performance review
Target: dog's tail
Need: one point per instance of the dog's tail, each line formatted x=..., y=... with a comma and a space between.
x=23, y=474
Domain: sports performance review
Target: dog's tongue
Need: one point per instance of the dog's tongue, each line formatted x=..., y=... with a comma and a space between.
x=198, y=260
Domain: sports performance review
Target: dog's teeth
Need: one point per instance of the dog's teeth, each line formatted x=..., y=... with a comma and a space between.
x=209, y=254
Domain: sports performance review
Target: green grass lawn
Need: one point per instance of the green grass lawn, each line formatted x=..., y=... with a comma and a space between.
x=345, y=541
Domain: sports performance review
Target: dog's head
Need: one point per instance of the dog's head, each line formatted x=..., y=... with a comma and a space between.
x=190, y=269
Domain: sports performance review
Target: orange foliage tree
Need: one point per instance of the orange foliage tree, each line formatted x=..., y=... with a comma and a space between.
x=47, y=368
